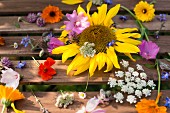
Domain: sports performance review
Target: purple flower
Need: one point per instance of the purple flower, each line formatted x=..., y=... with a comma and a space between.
x=108, y=1
x=21, y=65
x=164, y=75
x=167, y=104
x=148, y=49
x=40, y=22
x=162, y=17
x=123, y=18
x=77, y=22
x=6, y=62
x=25, y=41
x=53, y=43
x=32, y=17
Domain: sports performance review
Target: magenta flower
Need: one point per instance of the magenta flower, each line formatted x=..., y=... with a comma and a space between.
x=53, y=43
x=77, y=23
x=148, y=50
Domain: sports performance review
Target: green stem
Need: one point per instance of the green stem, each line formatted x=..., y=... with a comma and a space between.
x=146, y=36
x=159, y=77
x=123, y=7
x=3, y=109
x=36, y=62
x=87, y=83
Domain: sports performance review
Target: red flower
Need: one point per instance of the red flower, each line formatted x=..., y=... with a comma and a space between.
x=45, y=70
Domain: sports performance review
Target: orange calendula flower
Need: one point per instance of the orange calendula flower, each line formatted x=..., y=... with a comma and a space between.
x=150, y=106
x=52, y=14
x=2, y=41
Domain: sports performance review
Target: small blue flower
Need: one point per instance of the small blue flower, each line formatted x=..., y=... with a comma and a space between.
x=111, y=43
x=162, y=17
x=108, y=1
x=21, y=64
x=123, y=18
x=167, y=104
x=165, y=75
x=25, y=41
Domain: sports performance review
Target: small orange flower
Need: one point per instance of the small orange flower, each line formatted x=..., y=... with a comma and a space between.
x=2, y=41
x=52, y=14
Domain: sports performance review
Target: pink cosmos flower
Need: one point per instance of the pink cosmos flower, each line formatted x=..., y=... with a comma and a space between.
x=77, y=23
x=90, y=107
x=53, y=43
x=10, y=78
x=148, y=50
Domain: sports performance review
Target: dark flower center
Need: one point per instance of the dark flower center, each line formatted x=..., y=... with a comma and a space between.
x=52, y=14
x=144, y=11
x=45, y=70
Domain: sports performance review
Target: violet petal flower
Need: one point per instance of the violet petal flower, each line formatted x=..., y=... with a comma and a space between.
x=53, y=43
x=148, y=50
x=108, y=1
x=10, y=78
x=21, y=64
x=167, y=104
x=165, y=75
x=123, y=18
x=162, y=17
x=25, y=41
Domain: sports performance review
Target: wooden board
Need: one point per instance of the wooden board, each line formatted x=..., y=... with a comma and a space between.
x=7, y=25
x=8, y=50
x=25, y=6
x=48, y=100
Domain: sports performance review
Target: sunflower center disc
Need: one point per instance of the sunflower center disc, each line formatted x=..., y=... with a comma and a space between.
x=144, y=11
x=52, y=14
x=99, y=35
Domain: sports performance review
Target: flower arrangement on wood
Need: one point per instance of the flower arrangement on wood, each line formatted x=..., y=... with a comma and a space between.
x=94, y=41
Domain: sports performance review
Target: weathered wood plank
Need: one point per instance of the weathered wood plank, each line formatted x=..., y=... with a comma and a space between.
x=7, y=25
x=30, y=74
x=7, y=50
x=25, y=6
x=47, y=99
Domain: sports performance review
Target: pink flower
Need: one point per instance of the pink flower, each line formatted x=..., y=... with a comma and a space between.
x=90, y=107
x=77, y=23
x=53, y=43
x=148, y=50
x=10, y=78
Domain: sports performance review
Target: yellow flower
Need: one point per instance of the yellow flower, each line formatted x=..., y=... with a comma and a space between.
x=144, y=11
x=92, y=50
x=72, y=2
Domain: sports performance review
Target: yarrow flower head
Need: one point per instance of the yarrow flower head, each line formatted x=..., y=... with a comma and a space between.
x=148, y=50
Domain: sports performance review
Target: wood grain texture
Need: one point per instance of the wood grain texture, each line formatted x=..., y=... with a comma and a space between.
x=48, y=100
x=25, y=6
x=7, y=25
x=163, y=42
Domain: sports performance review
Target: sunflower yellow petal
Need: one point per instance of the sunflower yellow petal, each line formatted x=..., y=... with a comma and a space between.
x=82, y=68
x=93, y=65
x=72, y=2
x=112, y=12
x=109, y=64
x=15, y=110
x=80, y=9
x=125, y=30
x=129, y=40
x=113, y=57
x=94, y=18
x=100, y=59
x=130, y=56
x=88, y=10
x=69, y=53
x=102, y=10
x=126, y=48
x=134, y=35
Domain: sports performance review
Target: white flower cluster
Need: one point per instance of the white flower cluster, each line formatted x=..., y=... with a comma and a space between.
x=133, y=82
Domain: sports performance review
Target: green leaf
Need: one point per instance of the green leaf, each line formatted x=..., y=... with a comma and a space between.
x=17, y=25
x=150, y=66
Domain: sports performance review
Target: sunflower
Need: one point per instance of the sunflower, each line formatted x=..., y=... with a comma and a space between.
x=98, y=43
x=52, y=14
x=144, y=11
x=72, y=2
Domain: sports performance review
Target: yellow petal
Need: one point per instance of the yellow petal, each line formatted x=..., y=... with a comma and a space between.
x=129, y=40
x=100, y=59
x=125, y=30
x=112, y=56
x=64, y=33
x=88, y=10
x=69, y=53
x=93, y=65
x=15, y=110
x=102, y=13
x=134, y=35
x=72, y=2
x=112, y=12
x=109, y=65
x=80, y=9
x=94, y=18
x=63, y=39
x=82, y=68
x=126, y=48
x=130, y=56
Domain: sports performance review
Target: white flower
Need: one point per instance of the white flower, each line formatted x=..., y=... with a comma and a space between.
x=10, y=78
x=130, y=90
x=127, y=79
x=124, y=63
x=143, y=83
x=139, y=86
x=135, y=73
x=119, y=97
x=82, y=95
x=120, y=83
x=131, y=84
x=132, y=78
x=146, y=92
x=139, y=67
x=150, y=83
x=119, y=74
x=143, y=75
x=131, y=99
x=124, y=88
x=138, y=93
x=138, y=80
x=127, y=74
x=112, y=82
x=131, y=69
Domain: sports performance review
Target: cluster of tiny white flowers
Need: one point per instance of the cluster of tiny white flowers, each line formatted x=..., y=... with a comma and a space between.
x=132, y=81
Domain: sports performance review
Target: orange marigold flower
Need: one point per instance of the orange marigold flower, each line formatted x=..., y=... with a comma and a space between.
x=51, y=14
x=2, y=41
x=45, y=70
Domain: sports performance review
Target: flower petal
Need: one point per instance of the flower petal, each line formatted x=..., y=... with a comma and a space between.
x=15, y=110
x=93, y=65
x=102, y=13
x=94, y=18
x=109, y=64
x=128, y=40
x=130, y=56
x=100, y=59
x=125, y=30
x=72, y=2
x=88, y=10
x=80, y=9
x=92, y=104
x=82, y=68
